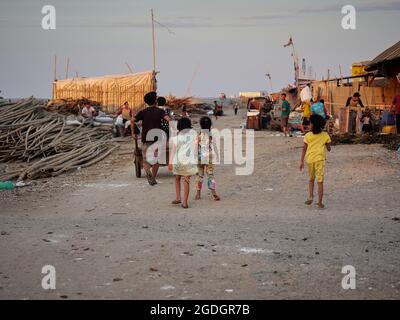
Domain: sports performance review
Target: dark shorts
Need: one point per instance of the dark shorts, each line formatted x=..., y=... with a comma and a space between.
x=306, y=121
x=367, y=128
x=398, y=123
x=284, y=121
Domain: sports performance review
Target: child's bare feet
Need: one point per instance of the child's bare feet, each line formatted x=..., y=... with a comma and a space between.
x=309, y=201
x=177, y=201
x=185, y=206
x=216, y=197
x=321, y=206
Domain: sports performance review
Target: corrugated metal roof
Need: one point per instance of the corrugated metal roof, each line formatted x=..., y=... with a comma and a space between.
x=389, y=54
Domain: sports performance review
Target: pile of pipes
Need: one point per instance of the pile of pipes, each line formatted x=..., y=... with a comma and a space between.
x=46, y=142
x=68, y=106
x=176, y=103
x=193, y=108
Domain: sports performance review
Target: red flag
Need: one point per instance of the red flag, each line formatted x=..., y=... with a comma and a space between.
x=289, y=43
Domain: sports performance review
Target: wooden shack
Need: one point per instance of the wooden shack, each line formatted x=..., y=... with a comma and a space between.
x=377, y=87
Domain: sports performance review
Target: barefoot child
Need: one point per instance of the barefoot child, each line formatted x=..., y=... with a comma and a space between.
x=205, y=152
x=314, y=150
x=183, y=157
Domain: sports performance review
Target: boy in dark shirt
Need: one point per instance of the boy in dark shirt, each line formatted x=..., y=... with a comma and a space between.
x=151, y=118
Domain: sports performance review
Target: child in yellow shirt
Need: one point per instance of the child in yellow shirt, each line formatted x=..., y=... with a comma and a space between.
x=316, y=143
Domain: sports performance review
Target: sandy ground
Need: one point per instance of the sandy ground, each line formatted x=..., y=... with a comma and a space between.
x=111, y=236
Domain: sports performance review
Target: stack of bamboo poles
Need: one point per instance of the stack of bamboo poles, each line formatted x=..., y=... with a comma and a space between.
x=176, y=103
x=44, y=141
x=68, y=106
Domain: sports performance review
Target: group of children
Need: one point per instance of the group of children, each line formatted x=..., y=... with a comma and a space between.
x=195, y=153
x=187, y=146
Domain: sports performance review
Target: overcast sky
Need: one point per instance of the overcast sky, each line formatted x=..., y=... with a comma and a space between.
x=231, y=43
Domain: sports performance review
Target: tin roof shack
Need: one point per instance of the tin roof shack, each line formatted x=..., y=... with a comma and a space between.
x=387, y=63
x=111, y=91
x=377, y=86
x=376, y=95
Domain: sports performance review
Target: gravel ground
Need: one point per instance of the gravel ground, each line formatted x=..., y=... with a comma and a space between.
x=110, y=235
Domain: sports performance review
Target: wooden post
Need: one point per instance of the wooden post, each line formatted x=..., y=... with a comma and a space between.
x=55, y=67
x=66, y=69
x=328, y=93
x=341, y=75
x=54, y=90
x=295, y=62
x=154, y=41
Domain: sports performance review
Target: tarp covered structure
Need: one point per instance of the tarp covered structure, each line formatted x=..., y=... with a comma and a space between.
x=110, y=91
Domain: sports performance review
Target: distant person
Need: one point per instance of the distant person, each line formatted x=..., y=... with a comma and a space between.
x=161, y=103
x=206, y=146
x=318, y=108
x=316, y=143
x=266, y=114
x=125, y=111
x=306, y=109
x=235, y=108
x=151, y=118
x=355, y=106
x=396, y=110
x=88, y=112
x=126, y=114
x=305, y=93
x=285, y=114
x=327, y=115
x=183, y=160
x=216, y=110
x=306, y=98
x=185, y=114
x=366, y=120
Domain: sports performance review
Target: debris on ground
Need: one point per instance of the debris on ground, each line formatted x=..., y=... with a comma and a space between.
x=176, y=104
x=6, y=185
x=389, y=141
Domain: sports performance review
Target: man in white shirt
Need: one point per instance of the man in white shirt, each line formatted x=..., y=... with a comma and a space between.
x=88, y=112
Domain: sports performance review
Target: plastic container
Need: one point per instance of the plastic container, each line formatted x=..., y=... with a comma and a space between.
x=6, y=185
x=389, y=129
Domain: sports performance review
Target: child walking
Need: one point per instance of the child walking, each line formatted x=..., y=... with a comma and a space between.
x=183, y=157
x=316, y=143
x=205, y=153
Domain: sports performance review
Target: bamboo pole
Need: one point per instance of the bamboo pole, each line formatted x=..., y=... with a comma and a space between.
x=66, y=69
x=154, y=41
x=295, y=61
x=129, y=67
x=341, y=75
x=55, y=67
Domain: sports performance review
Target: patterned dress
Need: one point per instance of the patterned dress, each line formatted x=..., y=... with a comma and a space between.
x=205, y=165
